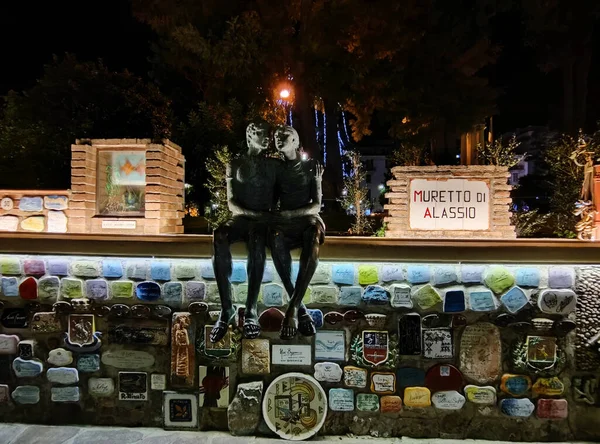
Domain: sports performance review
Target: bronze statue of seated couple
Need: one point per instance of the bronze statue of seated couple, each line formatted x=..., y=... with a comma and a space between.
x=274, y=203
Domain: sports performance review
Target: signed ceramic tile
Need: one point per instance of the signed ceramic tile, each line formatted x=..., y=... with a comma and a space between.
x=443, y=377
x=341, y=400
x=557, y=301
x=437, y=343
x=291, y=354
x=522, y=408
x=158, y=381
x=400, y=296
x=355, y=377
x=330, y=345
x=256, y=357
x=128, y=359
x=390, y=404
x=485, y=395
x=448, y=400
x=548, y=387
x=328, y=372
x=552, y=408
x=366, y=402
x=427, y=297
x=26, y=394
x=383, y=383
x=515, y=385
x=101, y=387
x=65, y=394
x=417, y=397
x=180, y=410
x=481, y=352
x=133, y=386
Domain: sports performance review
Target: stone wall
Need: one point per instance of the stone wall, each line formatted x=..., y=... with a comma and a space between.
x=34, y=210
x=398, y=207
x=474, y=350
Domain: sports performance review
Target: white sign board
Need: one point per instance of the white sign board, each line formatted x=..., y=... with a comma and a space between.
x=119, y=224
x=449, y=204
x=291, y=354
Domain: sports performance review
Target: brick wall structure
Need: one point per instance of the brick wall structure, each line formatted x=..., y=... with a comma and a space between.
x=399, y=204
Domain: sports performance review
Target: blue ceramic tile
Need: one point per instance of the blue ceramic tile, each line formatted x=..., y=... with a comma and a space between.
x=341, y=400
x=472, y=274
x=343, y=274
x=317, y=317
x=63, y=375
x=517, y=407
x=10, y=287
x=31, y=204
x=64, y=394
x=268, y=274
x=350, y=296
x=238, y=274
x=295, y=269
x=88, y=363
x=137, y=270
x=112, y=269
x=58, y=267
x=273, y=295
x=454, y=301
x=375, y=294
x=160, y=271
x=391, y=273
x=207, y=271
x=482, y=301
x=195, y=291
x=517, y=385
x=527, y=277
x=147, y=291
x=444, y=275
x=56, y=202
x=96, y=289
x=173, y=292
x=561, y=277
x=26, y=394
x=27, y=368
x=514, y=299
x=418, y=274
x=410, y=377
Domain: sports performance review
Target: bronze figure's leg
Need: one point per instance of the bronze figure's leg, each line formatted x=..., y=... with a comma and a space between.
x=282, y=259
x=309, y=259
x=222, y=240
x=256, y=268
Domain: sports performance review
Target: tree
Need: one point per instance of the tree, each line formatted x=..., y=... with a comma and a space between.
x=73, y=100
x=354, y=197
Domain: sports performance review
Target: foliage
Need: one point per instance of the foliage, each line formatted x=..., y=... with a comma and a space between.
x=530, y=223
x=354, y=198
x=217, y=187
x=498, y=154
x=408, y=154
x=73, y=100
x=381, y=230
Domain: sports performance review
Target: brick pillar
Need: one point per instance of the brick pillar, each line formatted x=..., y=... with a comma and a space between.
x=596, y=197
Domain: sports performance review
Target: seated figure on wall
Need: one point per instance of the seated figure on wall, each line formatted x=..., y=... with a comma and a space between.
x=250, y=196
x=297, y=224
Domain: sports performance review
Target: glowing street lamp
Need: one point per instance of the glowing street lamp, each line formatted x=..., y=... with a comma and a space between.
x=285, y=94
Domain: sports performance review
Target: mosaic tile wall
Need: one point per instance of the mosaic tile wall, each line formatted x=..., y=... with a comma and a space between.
x=423, y=350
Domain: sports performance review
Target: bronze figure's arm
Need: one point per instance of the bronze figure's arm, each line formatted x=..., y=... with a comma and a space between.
x=316, y=191
x=236, y=209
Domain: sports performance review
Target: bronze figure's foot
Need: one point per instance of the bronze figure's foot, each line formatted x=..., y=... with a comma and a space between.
x=306, y=325
x=289, y=326
x=251, y=326
x=226, y=318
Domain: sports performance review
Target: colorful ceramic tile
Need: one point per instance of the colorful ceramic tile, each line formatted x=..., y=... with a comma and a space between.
x=514, y=299
x=101, y=387
x=499, y=279
x=10, y=287
x=34, y=267
x=33, y=223
x=427, y=297
x=160, y=271
x=60, y=357
x=448, y=400
x=8, y=344
x=343, y=274
x=409, y=332
x=148, y=291
x=291, y=355
x=10, y=266
x=137, y=270
x=272, y=295
x=26, y=394
x=527, y=277
x=173, y=293
x=330, y=345
x=14, y=318
x=221, y=348
x=410, y=377
x=376, y=321
x=206, y=270
x=46, y=322
x=444, y=275
x=57, y=222
x=268, y=273
x=48, y=288
x=81, y=328
x=400, y=296
x=541, y=351
x=121, y=289
x=26, y=349
x=341, y=400
x=366, y=402
x=472, y=274
x=28, y=289
x=391, y=404
x=96, y=289
x=350, y=296
x=417, y=397
x=418, y=274
x=515, y=385
x=383, y=383
x=88, y=363
x=437, y=343
x=180, y=410
x=481, y=352
x=355, y=377
x=548, y=387
x=552, y=408
x=322, y=274
x=561, y=277
x=85, y=268
x=482, y=301
x=133, y=386
x=454, y=301
x=522, y=408
x=62, y=375
x=443, y=377
x=375, y=346
x=29, y=368
x=317, y=317
x=376, y=295
x=112, y=268
x=557, y=301
x=214, y=386
x=55, y=202
x=194, y=290
x=71, y=288
x=256, y=357
x=128, y=359
x=328, y=372
x=238, y=274
x=31, y=203
x=182, y=350
x=58, y=267
x=271, y=320
x=158, y=381
x=391, y=273
x=9, y=223
x=367, y=274
x=481, y=395
x=324, y=294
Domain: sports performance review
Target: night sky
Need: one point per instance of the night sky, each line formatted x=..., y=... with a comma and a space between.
x=31, y=32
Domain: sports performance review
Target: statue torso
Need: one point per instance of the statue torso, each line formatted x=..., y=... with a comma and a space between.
x=294, y=184
x=253, y=182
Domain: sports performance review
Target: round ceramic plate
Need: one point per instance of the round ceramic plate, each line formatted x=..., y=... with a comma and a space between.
x=295, y=406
